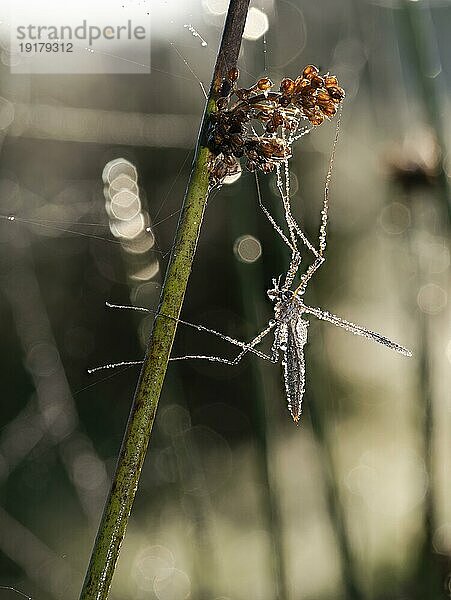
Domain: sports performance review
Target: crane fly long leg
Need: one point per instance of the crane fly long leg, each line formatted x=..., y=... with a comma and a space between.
x=246, y=347
x=271, y=219
x=356, y=329
x=293, y=227
x=324, y=219
x=295, y=255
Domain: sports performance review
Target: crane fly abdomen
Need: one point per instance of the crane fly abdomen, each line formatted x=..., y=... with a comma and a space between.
x=293, y=364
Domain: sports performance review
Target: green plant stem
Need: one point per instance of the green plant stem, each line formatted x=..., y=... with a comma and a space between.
x=136, y=439
x=431, y=570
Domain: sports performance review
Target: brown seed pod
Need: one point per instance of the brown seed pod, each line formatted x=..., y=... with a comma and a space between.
x=336, y=93
x=237, y=139
x=241, y=115
x=233, y=74
x=328, y=109
x=287, y=86
x=306, y=103
x=310, y=71
x=307, y=90
x=316, y=119
x=317, y=81
x=330, y=80
x=252, y=154
x=231, y=161
x=264, y=84
x=323, y=97
x=300, y=84
x=221, y=103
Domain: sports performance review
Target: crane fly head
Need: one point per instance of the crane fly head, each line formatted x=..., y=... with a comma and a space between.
x=277, y=293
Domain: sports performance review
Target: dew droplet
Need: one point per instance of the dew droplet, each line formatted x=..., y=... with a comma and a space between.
x=195, y=34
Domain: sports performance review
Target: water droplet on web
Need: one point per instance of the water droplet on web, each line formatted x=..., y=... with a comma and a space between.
x=195, y=34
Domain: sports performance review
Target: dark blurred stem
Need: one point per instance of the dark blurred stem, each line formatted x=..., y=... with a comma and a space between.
x=429, y=579
x=428, y=576
x=334, y=505
x=416, y=28
x=251, y=285
x=134, y=446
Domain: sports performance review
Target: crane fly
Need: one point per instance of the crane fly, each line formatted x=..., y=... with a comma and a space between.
x=289, y=324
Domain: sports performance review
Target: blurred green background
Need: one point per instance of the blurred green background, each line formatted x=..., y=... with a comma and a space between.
x=235, y=501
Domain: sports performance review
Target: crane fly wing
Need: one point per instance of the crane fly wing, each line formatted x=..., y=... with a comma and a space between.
x=356, y=329
x=293, y=363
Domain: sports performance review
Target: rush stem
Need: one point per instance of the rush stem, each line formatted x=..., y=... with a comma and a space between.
x=137, y=435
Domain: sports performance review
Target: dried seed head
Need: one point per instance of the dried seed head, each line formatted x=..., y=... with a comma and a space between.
x=237, y=139
x=279, y=148
x=231, y=134
x=231, y=161
x=252, y=154
x=266, y=149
